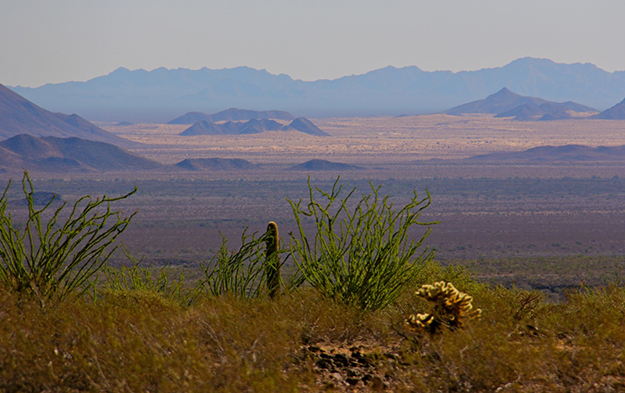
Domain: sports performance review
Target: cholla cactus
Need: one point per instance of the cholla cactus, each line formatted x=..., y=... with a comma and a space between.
x=451, y=308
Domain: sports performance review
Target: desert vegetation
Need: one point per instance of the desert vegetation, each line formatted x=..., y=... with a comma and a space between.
x=135, y=328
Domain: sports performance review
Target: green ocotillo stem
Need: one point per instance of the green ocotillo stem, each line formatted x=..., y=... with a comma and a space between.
x=272, y=262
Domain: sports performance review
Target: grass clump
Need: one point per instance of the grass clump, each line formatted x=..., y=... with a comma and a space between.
x=360, y=253
x=137, y=278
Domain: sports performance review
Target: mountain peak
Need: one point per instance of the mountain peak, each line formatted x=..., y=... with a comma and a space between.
x=505, y=92
x=120, y=70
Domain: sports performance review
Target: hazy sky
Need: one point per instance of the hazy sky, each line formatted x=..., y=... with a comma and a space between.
x=45, y=41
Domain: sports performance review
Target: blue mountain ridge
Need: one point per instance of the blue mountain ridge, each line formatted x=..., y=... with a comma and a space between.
x=162, y=94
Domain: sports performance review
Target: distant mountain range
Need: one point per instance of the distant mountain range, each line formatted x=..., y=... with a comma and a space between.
x=253, y=126
x=232, y=114
x=162, y=94
x=20, y=116
x=52, y=154
x=505, y=103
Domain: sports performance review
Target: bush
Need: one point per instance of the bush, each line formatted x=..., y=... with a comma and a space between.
x=360, y=255
x=57, y=256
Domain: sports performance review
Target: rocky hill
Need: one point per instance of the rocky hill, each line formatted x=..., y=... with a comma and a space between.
x=617, y=112
x=20, y=116
x=306, y=126
x=505, y=103
x=216, y=164
x=52, y=154
x=556, y=153
x=253, y=126
x=323, y=165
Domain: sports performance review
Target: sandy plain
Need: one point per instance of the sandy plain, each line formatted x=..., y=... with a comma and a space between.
x=377, y=140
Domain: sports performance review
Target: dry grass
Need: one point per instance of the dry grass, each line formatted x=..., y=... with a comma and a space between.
x=139, y=341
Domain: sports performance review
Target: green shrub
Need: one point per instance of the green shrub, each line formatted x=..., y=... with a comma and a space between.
x=58, y=255
x=363, y=254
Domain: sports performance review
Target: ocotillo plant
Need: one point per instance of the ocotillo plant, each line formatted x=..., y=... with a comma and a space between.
x=272, y=261
x=363, y=252
x=55, y=254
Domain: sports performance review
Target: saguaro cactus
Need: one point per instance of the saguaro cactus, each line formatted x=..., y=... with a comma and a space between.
x=272, y=261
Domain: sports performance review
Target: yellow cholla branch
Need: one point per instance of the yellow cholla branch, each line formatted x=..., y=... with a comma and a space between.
x=451, y=308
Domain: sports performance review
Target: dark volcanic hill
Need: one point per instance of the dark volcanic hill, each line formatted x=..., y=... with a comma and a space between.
x=256, y=126
x=253, y=126
x=20, y=116
x=203, y=127
x=216, y=164
x=306, y=126
x=505, y=103
x=191, y=118
x=232, y=114
x=544, y=112
x=522, y=112
x=502, y=101
x=617, y=112
x=323, y=165
x=52, y=154
x=557, y=153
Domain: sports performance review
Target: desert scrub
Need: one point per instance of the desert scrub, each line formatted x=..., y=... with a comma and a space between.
x=58, y=255
x=361, y=253
x=451, y=308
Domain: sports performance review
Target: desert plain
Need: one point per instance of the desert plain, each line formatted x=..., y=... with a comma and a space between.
x=515, y=223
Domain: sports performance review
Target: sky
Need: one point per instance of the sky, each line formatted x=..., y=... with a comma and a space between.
x=51, y=41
